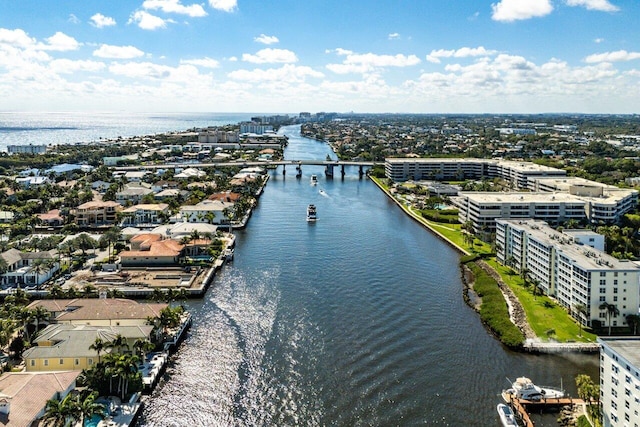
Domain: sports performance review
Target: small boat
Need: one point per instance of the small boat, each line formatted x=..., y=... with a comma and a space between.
x=228, y=254
x=311, y=213
x=507, y=418
x=314, y=179
x=524, y=388
x=323, y=193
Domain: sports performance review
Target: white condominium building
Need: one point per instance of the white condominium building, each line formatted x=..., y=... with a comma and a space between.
x=518, y=173
x=572, y=273
x=604, y=202
x=620, y=381
x=483, y=208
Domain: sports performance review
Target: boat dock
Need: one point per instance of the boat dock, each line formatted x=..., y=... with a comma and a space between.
x=522, y=407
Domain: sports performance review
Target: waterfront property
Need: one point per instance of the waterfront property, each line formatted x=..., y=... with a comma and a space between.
x=24, y=395
x=483, y=209
x=576, y=275
x=100, y=312
x=68, y=347
x=620, y=381
x=517, y=173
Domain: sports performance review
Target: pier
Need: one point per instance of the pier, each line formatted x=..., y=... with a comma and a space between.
x=522, y=407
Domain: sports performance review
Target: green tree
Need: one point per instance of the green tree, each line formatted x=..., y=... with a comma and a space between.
x=611, y=310
x=581, y=312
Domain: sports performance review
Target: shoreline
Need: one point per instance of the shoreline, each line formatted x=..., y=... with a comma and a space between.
x=532, y=344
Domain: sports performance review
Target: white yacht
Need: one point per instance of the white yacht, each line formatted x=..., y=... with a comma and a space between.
x=507, y=418
x=314, y=179
x=311, y=213
x=524, y=388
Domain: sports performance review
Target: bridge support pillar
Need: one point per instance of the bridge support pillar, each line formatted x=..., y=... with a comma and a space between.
x=328, y=170
x=360, y=171
x=284, y=169
x=342, y=172
x=298, y=171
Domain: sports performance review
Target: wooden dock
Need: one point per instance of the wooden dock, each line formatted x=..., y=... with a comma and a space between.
x=521, y=406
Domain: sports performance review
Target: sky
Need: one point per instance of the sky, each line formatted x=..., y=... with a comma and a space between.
x=288, y=56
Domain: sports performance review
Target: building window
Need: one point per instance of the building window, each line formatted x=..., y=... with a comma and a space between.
x=62, y=361
x=603, y=290
x=615, y=299
x=33, y=362
x=76, y=362
x=46, y=362
x=603, y=299
x=615, y=290
x=603, y=274
x=90, y=362
x=603, y=282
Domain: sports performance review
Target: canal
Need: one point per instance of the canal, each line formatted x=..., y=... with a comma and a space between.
x=355, y=320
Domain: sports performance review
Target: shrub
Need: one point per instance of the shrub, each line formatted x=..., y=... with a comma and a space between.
x=494, y=311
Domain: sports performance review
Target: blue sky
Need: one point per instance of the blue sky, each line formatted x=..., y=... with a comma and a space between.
x=285, y=56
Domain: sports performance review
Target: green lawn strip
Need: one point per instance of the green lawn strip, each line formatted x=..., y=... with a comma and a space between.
x=493, y=310
x=543, y=314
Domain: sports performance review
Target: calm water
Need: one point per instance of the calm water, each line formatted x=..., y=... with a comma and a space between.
x=356, y=320
x=70, y=128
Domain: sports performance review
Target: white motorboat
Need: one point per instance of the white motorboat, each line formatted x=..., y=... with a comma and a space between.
x=314, y=179
x=524, y=388
x=311, y=213
x=507, y=417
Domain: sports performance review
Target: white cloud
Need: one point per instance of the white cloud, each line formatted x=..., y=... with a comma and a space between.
x=174, y=6
x=463, y=52
x=601, y=5
x=68, y=66
x=264, y=39
x=368, y=62
x=514, y=10
x=617, y=56
x=269, y=55
x=393, y=36
x=224, y=5
x=100, y=21
x=288, y=73
x=73, y=19
x=18, y=38
x=117, y=52
x=598, y=40
x=203, y=62
x=61, y=42
x=147, y=21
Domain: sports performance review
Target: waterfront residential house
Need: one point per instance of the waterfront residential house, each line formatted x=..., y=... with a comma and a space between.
x=132, y=194
x=226, y=196
x=207, y=211
x=136, y=176
x=620, y=381
x=100, y=311
x=190, y=173
x=28, y=269
x=572, y=273
x=97, y=213
x=171, y=193
x=158, y=186
x=179, y=230
x=145, y=215
x=24, y=395
x=67, y=347
x=152, y=250
x=100, y=186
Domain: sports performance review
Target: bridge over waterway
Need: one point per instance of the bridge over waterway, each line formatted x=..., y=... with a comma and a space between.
x=329, y=165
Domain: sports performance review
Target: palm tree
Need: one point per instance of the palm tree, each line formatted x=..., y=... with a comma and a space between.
x=581, y=311
x=142, y=346
x=40, y=314
x=88, y=408
x=118, y=343
x=58, y=413
x=612, y=311
x=98, y=345
x=633, y=320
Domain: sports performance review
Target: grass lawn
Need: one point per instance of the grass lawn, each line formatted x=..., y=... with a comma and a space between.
x=543, y=314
